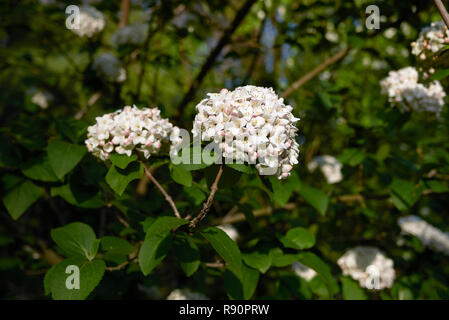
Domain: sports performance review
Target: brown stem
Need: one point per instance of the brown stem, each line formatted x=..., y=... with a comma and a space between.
x=166, y=195
x=443, y=11
x=210, y=199
x=124, y=17
x=312, y=74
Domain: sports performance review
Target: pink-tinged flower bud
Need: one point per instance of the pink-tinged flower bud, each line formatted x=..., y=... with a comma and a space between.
x=157, y=145
x=223, y=91
x=101, y=144
x=222, y=133
x=285, y=175
x=422, y=56
x=228, y=110
x=148, y=143
x=107, y=155
x=127, y=132
x=446, y=40
x=127, y=109
x=117, y=149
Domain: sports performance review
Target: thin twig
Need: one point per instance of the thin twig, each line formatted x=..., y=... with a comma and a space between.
x=124, y=16
x=217, y=264
x=209, y=201
x=312, y=74
x=166, y=195
x=210, y=61
x=443, y=11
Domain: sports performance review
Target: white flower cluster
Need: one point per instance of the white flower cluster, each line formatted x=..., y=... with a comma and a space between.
x=329, y=166
x=407, y=94
x=303, y=271
x=129, y=130
x=134, y=34
x=91, y=22
x=429, y=235
x=255, y=125
x=107, y=66
x=431, y=39
x=186, y=294
x=230, y=230
x=369, y=266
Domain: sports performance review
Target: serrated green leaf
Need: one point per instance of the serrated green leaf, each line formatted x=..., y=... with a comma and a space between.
x=118, y=179
x=64, y=156
x=298, y=238
x=181, y=176
x=90, y=275
x=77, y=196
x=225, y=247
x=116, y=245
x=19, y=199
x=122, y=160
x=39, y=169
x=188, y=254
x=77, y=240
x=258, y=260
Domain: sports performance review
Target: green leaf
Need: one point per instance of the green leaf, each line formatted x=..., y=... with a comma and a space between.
x=322, y=269
x=315, y=197
x=122, y=160
x=195, y=155
x=39, y=169
x=225, y=247
x=64, y=156
x=78, y=196
x=90, y=275
x=440, y=74
x=258, y=260
x=404, y=194
x=351, y=289
x=351, y=156
x=436, y=186
x=115, y=245
x=9, y=155
x=298, y=238
x=188, y=255
x=156, y=243
x=181, y=176
x=21, y=197
x=245, y=168
x=280, y=260
x=241, y=289
x=118, y=179
x=76, y=240
x=282, y=190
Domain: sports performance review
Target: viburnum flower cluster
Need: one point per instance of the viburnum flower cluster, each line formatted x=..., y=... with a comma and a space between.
x=134, y=34
x=303, y=271
x=254, y=123
x=108, y=67
x=407, y=94
x=429, y=235
x=130, y=130
x=91, y=22
x=186, y=294
x=369, y=266
x=431, y=39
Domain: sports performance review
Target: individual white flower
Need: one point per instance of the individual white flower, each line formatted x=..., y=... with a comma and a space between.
x=369, y=266
x=107, y=66
x=40, y=98
x=134, y=34
x=431, y=39
x=330, y=167
x=429, y=235
x=186, y=294
x=130, y=130
x=91, y=22
x=250, y=123
x=303, y=271
x=230, y=230
x=407, y=94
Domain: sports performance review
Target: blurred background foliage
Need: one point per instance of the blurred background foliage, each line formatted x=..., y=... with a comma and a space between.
x=278, y=42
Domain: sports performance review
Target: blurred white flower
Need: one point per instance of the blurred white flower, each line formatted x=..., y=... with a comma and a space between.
x=186, y=294
x=254, y=123
x=91, y=21
x=128, y=131
x=303, y=271
x=369, y=266
x=134, y=34
x=107, y=66
x=40, y=98
x=431, y=39
x=429, y=235
x=230, y=230
x=407, y=94
x=329, y=166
